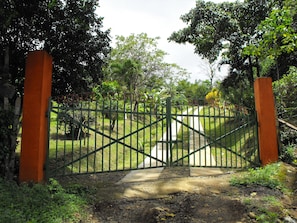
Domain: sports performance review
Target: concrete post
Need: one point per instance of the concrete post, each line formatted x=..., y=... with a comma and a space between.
x=267, y=132
x=38, y=83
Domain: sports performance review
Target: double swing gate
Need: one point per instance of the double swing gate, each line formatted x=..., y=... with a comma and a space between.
x=92, y=136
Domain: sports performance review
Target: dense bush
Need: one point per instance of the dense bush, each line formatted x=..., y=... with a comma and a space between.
x=6, y=150
x=213, y=97
x=285, y=91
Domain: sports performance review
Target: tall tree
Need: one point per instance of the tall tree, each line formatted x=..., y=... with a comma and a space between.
x=139, y=58
x=211, y=70
x=70, y=31
x=275, y=46
x=129, y=74
x=213, y=27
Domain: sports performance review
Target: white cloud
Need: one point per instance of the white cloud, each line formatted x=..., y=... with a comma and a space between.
x=157, y=18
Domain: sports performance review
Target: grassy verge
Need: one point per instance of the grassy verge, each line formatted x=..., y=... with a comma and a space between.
x=265, y=205
x=39, y=203
x=271, y=176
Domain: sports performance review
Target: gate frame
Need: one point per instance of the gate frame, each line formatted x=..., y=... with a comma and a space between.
x=168, y=142
x=37, y=94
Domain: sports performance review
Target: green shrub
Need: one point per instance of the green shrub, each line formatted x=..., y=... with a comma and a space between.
x=288, y=154
x=270, y=176
x=213, y=97
x=285, y=90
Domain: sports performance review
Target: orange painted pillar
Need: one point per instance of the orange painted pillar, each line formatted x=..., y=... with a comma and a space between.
x=38, y=83
x=267, y=132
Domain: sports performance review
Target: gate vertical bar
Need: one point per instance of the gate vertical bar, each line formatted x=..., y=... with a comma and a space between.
x=124, y=133
x=48, y=141
x=95, y=139
x=117, y=135
x=168, y=133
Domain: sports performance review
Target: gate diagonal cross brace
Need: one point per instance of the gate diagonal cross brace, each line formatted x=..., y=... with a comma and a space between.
x=157, y=150
x=111, y=143
x=216, y=141
x=160, y=154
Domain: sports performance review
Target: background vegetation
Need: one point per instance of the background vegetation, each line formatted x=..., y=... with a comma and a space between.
x=256, y=38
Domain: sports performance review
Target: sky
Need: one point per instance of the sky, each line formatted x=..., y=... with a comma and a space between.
x=157, y=18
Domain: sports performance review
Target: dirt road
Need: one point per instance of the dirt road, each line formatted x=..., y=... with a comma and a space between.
x=178, y=195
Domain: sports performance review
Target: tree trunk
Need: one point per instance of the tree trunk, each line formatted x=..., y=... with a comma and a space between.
x=11, y=158
x=11, y=108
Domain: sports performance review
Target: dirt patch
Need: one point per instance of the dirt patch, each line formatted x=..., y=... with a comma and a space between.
x=177, y=207
x=177, y=197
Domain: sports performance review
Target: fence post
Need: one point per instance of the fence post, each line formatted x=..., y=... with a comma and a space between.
x=267, y=132
x=38, y=82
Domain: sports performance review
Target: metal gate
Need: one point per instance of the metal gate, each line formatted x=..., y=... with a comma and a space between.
x=92, y=136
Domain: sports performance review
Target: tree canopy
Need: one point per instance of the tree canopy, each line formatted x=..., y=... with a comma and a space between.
x=230, y=27
x=68, y=30
x=275, y=44
x=194, y=92
x=139, y=65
